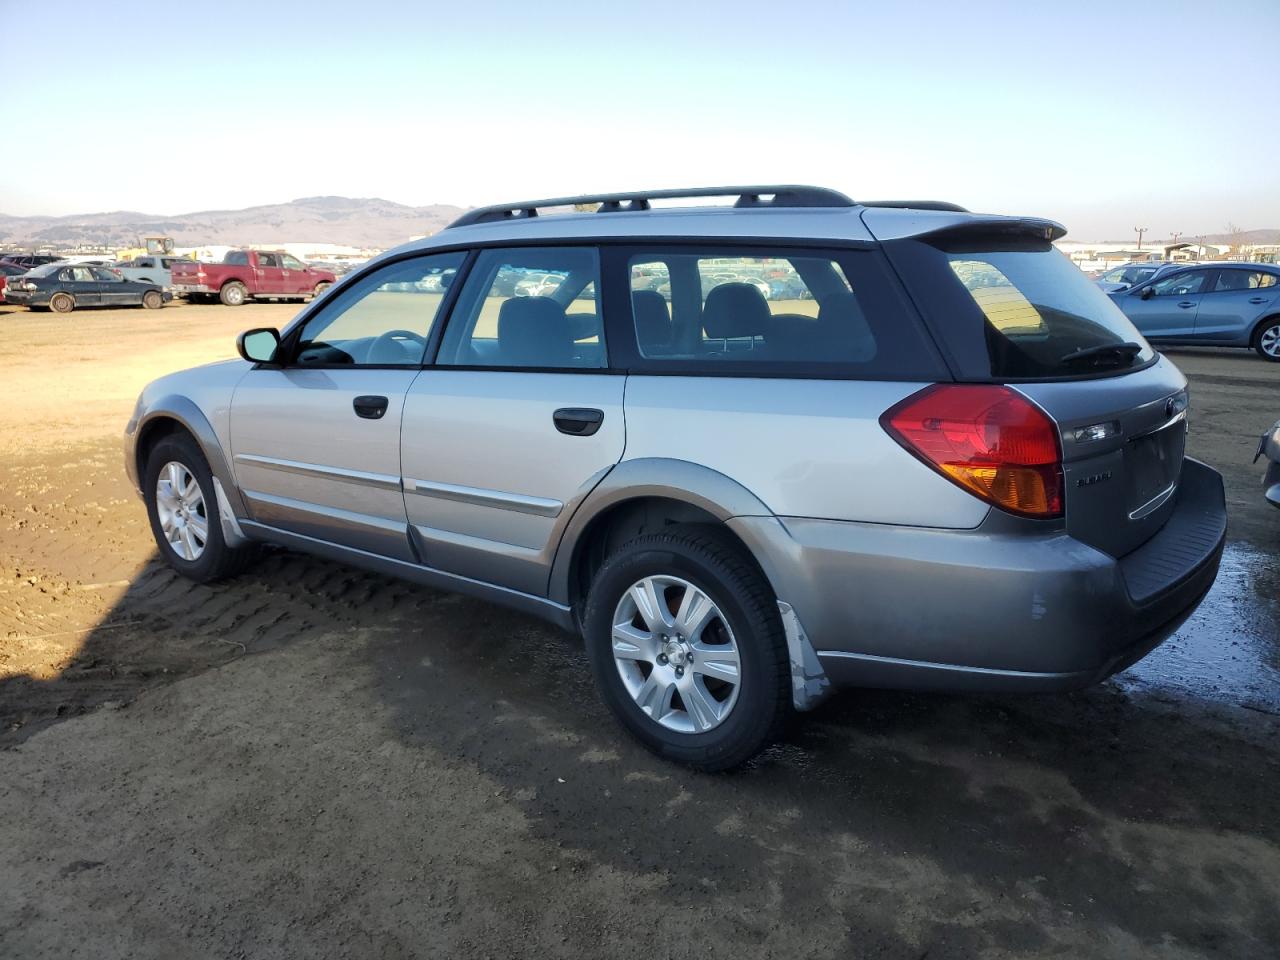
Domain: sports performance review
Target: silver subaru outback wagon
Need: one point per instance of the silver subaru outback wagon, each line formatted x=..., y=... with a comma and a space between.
x=750, y=453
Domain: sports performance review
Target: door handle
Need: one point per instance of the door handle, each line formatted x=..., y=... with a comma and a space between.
x=578, y=421
x=1257, y=299
x=370, y=407
x=1186, y=304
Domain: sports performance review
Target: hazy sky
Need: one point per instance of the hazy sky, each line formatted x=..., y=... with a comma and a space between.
x=1103, y=115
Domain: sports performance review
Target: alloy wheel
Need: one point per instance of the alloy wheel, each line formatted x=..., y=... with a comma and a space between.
x=676, y=654
x=1269, y=341
x=181, y=509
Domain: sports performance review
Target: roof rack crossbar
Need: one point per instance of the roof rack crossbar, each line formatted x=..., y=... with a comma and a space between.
x=787, y=195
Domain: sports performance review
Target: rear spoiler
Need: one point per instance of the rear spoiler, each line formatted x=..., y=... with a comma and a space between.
x=1007, y=226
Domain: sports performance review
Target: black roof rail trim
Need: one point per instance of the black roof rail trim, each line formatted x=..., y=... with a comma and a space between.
x=783, y=195
x=916, y=205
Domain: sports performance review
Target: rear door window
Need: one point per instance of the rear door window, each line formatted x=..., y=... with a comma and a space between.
x=1229, y=280
x=782, y=311
x=528, y=307
x=1008, y=308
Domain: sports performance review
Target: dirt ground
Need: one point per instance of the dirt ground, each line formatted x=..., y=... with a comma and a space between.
x=312, y=761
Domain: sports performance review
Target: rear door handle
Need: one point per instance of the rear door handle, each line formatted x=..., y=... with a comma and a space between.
x=578, y=421
x=370, y=407
x=1257, y=299
x=1186, y=304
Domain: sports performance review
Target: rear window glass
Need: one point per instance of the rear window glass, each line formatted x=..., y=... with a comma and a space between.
x=784, y=311
x=1014, y=309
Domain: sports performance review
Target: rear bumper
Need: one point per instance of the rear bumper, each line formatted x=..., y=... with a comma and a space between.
x=989, y=610
x=185, y=288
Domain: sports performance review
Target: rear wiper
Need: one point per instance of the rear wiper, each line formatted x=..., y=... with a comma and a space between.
x=1124, y=351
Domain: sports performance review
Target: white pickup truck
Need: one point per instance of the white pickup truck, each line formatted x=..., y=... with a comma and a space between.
x=148, y=269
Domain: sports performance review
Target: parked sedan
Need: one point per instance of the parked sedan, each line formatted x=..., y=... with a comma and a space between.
x=62, y=287
x=539, y=285
x=29, y=260
x=1213, y=305
x=8, y=270
x=1131, y=274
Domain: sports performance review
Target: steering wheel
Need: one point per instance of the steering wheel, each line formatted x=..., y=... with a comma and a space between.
x=384, y=343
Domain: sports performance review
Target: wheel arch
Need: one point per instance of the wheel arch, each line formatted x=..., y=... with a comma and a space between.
x=1256, y=333
x=180, y=414
x=641, y=494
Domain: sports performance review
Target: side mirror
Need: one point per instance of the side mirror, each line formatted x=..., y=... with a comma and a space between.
x=259, y=345
x=1148, y=293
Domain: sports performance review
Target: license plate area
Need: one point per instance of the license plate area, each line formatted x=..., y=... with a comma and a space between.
x=1153, y=463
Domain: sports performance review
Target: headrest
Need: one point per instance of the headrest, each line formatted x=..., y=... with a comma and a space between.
x=735, y=310
x=534, y=332
x=653, y=319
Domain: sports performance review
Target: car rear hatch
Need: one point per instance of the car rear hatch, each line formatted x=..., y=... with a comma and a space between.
x=1006, y=307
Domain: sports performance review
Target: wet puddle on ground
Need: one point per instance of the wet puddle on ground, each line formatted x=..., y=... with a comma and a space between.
x=1229, y=651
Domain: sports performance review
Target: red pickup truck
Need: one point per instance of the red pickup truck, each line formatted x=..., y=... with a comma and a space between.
x=245, y=274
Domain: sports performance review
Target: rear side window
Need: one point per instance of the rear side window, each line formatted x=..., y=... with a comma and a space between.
x=530, y=307
x=1229, y=280
x=236, y=258
x=1017, y=309
x=784, y=311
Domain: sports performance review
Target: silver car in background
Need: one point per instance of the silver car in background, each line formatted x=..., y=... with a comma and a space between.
x=1131, y=274
x=946, y=461
x=1269, y=447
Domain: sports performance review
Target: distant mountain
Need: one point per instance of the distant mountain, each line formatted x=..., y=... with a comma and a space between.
x=1245, y=237
x=364, y=222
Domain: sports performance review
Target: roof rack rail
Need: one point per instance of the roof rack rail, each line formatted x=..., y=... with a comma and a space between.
x=788, y=195
x=916, y=205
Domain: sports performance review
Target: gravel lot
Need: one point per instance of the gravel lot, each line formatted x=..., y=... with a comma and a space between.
x=313, y=761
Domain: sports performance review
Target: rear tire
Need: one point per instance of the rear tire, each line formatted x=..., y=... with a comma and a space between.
x=1266, y=339
x=233, y=294
x=721, y=724
x=201, y=554
x=62, y=303
x=152, y=300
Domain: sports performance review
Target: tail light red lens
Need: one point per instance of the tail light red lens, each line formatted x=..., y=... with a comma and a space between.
x=988, y=439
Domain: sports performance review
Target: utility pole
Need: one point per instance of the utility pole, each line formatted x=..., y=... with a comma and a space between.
x=1139, y=231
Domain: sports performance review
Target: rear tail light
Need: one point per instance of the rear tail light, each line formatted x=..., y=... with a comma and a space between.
x=988, y=439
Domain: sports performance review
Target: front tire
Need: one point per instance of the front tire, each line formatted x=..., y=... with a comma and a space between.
x=183, y=509
x=152, y=300
x=233, y=294
x=687, y=647
x=62, y=303
x=1267, y=339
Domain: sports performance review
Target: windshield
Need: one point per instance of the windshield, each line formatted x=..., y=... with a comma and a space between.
x=1019, y=309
